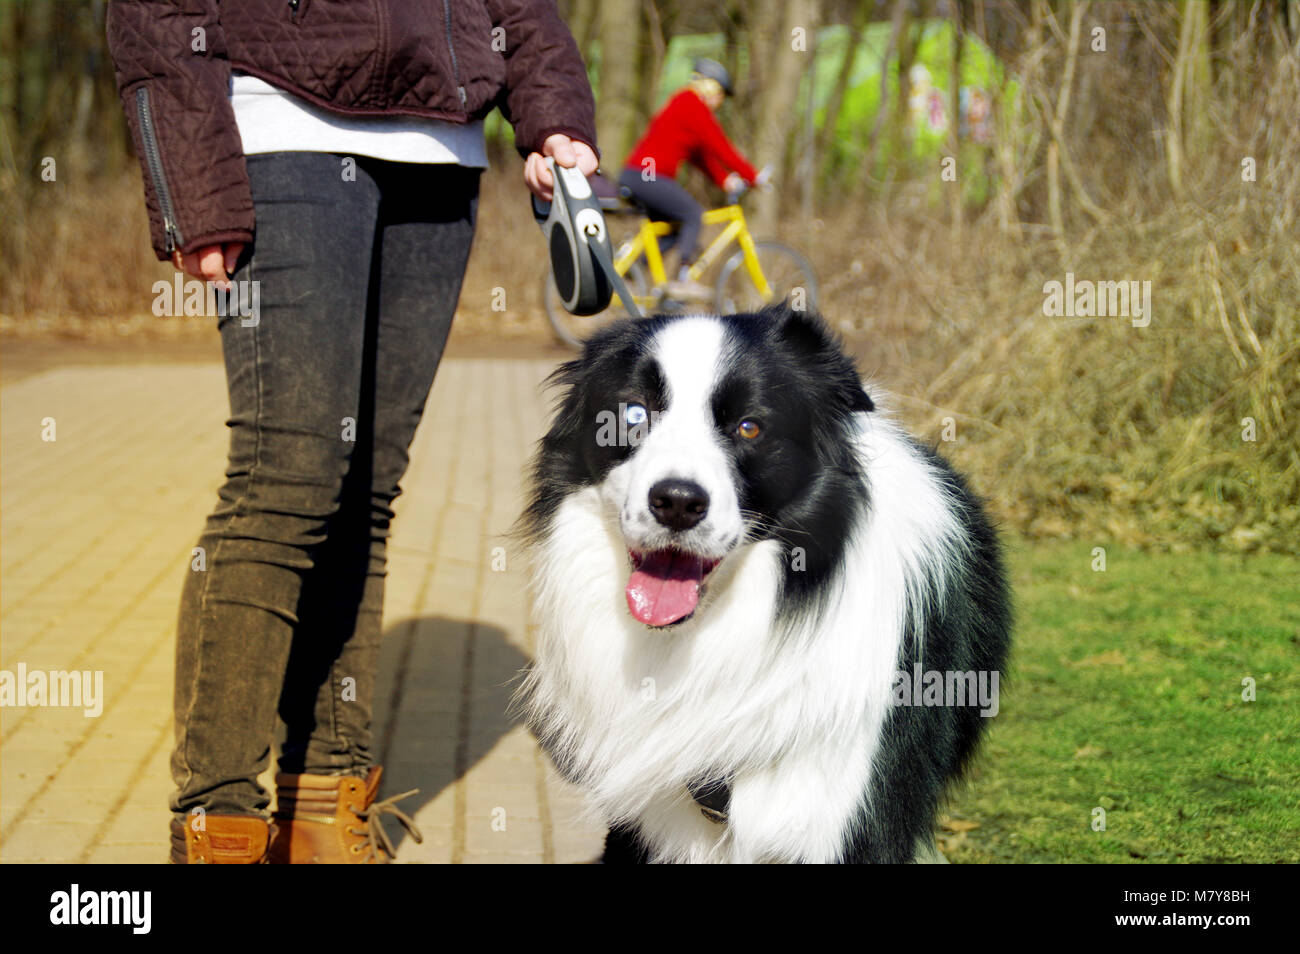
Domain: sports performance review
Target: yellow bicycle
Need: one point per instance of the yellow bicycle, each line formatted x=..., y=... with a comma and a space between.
x=757, y=273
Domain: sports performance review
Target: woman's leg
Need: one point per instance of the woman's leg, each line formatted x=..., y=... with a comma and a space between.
x=426, y=225
x=294, y=376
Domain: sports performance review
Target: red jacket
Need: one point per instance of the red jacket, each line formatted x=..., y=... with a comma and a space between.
x=685, y=129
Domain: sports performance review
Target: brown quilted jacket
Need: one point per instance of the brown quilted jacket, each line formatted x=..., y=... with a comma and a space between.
x=445, y=59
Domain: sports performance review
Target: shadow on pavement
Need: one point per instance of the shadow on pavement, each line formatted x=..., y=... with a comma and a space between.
x=449, y=683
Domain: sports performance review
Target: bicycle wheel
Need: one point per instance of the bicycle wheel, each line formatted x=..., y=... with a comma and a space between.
x=570, y=329
x=787, y=272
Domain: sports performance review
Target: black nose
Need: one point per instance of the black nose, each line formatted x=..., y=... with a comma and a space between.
x=678, y=504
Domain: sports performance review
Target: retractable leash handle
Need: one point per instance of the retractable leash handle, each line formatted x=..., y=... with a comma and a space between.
x=578, y=240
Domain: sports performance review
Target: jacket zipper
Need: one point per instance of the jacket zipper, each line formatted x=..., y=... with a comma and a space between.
x=171, y=232
x=455, y=67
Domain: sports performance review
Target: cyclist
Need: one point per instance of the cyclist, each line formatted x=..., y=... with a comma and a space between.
x=686, y=129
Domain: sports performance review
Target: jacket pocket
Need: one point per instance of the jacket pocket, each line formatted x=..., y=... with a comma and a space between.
x=153, y=161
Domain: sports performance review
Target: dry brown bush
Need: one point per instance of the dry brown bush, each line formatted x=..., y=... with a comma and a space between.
x=1094, y=428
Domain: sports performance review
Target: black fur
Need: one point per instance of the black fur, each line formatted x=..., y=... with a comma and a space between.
x=923, y=749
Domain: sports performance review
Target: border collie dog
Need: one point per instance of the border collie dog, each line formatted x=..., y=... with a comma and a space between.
x=739, y=565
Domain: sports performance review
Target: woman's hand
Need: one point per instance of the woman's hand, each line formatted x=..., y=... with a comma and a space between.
x=212, y=263
x=567, y=152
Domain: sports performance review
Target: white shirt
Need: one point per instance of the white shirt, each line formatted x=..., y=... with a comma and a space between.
x=271, y=120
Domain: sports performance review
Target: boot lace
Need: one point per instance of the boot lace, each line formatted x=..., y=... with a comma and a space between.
x=377, y=839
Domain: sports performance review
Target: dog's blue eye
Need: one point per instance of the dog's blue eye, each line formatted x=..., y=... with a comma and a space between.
x=634, y=414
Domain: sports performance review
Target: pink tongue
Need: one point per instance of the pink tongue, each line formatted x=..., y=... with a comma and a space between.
x=665, y=587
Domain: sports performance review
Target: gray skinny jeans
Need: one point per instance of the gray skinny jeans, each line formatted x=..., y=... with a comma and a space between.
x=358, y=284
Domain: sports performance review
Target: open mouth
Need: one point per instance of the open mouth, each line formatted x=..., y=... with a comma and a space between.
x=666, y=585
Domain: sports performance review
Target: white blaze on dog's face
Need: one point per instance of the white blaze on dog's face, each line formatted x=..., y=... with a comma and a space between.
x=675, y=495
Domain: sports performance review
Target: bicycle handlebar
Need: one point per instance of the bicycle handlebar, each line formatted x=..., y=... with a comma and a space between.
x=764, y=182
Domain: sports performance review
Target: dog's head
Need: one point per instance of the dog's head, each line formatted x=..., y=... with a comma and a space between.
x=703, y=434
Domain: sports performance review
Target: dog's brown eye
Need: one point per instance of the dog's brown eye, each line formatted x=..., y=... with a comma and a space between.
x=748, y=430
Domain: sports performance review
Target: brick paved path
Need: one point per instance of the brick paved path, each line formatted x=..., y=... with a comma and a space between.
x=95, y=535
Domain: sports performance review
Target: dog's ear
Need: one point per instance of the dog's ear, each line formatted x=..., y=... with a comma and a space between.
x=810, y=336
x=803, y=329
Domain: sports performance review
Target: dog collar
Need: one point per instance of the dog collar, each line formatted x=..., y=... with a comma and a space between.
x=713, y=796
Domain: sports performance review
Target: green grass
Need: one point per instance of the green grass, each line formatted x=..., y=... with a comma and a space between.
x=1125, y=693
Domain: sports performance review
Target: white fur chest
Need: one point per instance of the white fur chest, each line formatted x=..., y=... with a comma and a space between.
x=639, y=713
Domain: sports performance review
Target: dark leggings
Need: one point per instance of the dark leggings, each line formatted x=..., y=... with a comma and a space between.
x=358, y=278
x=667, y=201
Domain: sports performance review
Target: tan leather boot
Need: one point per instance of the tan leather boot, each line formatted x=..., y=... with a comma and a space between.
x=334, y=820
x=222, y=840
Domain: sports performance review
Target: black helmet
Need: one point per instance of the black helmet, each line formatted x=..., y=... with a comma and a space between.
x=712, y=69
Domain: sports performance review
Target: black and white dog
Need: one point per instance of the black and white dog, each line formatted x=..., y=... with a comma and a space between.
x=742, y=570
